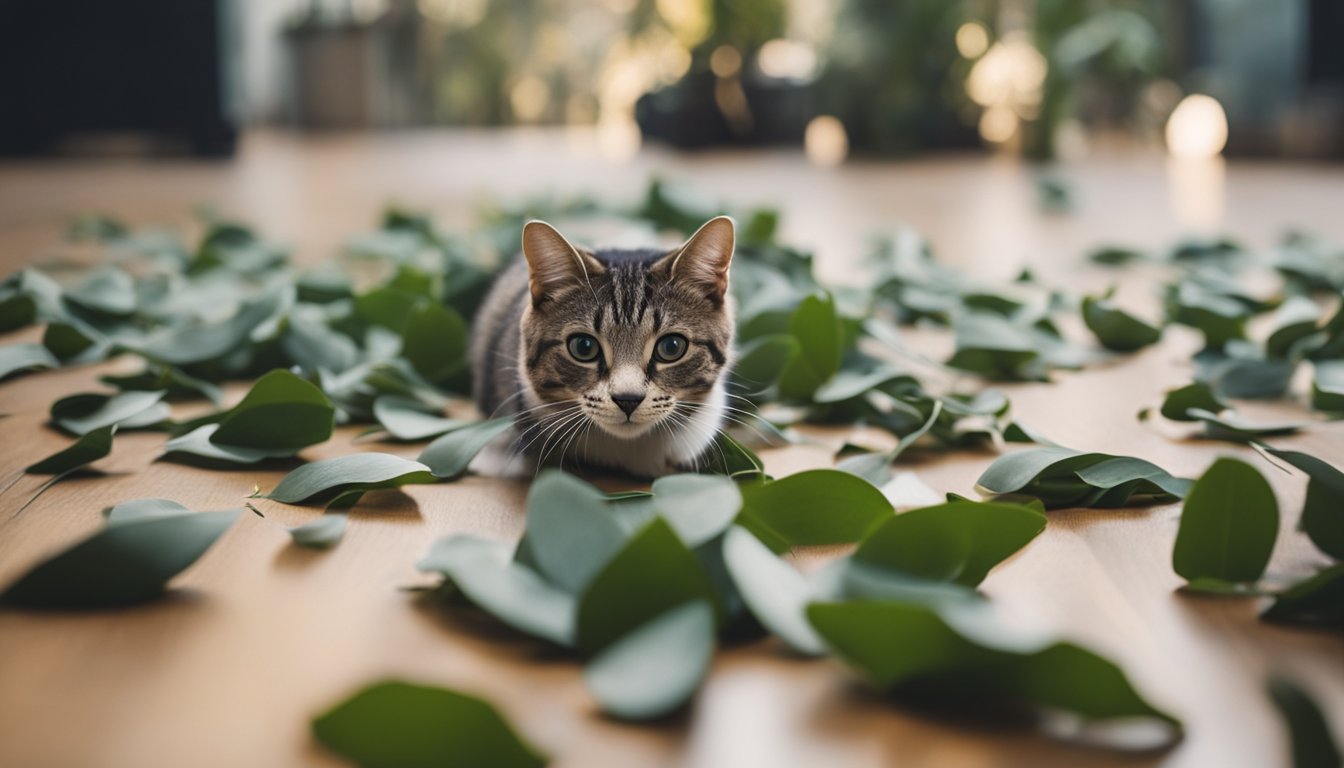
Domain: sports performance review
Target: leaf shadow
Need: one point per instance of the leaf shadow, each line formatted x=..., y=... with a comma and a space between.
x=453, y=614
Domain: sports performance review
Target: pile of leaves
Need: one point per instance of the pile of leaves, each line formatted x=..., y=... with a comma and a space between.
x=642, y=587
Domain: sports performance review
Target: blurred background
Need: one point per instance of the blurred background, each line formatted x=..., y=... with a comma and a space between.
x=1041, y=79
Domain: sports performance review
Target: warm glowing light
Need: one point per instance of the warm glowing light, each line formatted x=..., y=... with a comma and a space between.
x=688, y=19
x=529, y=97
x=972, y=40
x=618, y=139
x=787, y=59
x=826, y=142
x=673, y=61
x=725, y=61
x=998, y=124
x=453, y=13
x=1197, y=127
x=1010, y=73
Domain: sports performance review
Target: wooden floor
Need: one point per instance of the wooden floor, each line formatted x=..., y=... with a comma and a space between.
x=259, y=635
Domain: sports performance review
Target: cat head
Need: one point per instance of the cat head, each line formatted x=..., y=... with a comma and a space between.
x=631, y=339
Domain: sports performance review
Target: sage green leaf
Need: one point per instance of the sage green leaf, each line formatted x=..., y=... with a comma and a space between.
x=819, y=506
x=89, y=448
x=775, y=592
x=82, y=414
x=1251, y=377
x=762, y=360
x=816, y=327
x=1231, y=426
x=1137, y=476
x=136, y=509
x=1327, y=387
x=1116, y=329
x=959, y=541
x=1220, y=318
x=15, y=358
x=912, y=650
x=1316, y=601
x=698, y=507
x=123, y=564
x=1178, y=402
x=1308, y=730
x=1061, y=477
x=167, y=379
x=486, y=573
x=395, y=724
x=726, y=456
x=408, y=419
x=16, y=311
x=846, y=385
x=993, y=347
x=190, y=344
x=651, y=575
x=388, y=307
x=198, y=445
x=435, y=342
x=448, y=456
x=876, y=467
x=280, y=412
x=72, y=343
x=1228, y=526
x=320, y=533
x=313, y=345
x=329, y=478
x=108, y=290
x=571, y=534
x=1293, y=321
x=1323, y=512
x=1114, y=256
x=656, y=668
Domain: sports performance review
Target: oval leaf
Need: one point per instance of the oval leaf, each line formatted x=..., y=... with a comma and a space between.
x=1228, y=526
x=448, y=456
x=327, y=479
x=656, y=668
x=820, y=506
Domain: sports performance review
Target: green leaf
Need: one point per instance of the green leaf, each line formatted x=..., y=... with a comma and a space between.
x=329, y=478
x=1113, y=256
x=1327, y=387
x=571, y=534
x=1061, y=477
x=698, y=507
x=435, y=342
x=72, y=343
x=136, y=509
x=408, y=419
x=487, y=574
x=1317, y=601
x=775, y=592
x=847, y=385
x=1250, y=377
x=1116, y=329
x=89, y=448
x=763, y=360
x=816, y=327
x=991, y=346
x=1228, y=525
x=819, y=506
x=726, y=456
x=1294, y=320
x=1231, y=426
x=190, y=344
x=914, y=651
x=280, y=412
x=15, y=358
x=1308, y=730
x=82, y=414
x=1178, y=402
x=653, y=574
x=876, y=467
x=656, y=668
x=126, y=563
x=402, y=725
x=197, y=447
x=164, y=378
x=448, y=456
x=959, y=541
x=108, y=290
x=1323, y=512
x=320, y=533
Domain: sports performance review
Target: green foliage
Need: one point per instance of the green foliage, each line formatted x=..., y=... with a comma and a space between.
x=327, y=479
x=1312, y=744
x=1115, y=328
x=90, y=447
x=1062, y=477
x=395, y=724
x=819, y=506
x=1228, y=526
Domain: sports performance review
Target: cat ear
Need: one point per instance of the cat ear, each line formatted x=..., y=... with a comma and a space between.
x=552, y=263
x=703, y=261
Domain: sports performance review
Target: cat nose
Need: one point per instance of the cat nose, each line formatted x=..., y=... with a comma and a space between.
x=628, y=402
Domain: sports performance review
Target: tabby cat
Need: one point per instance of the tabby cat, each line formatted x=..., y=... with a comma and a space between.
x=609, y=358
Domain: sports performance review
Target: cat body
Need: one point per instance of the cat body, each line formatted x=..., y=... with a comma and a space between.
x=609, y=358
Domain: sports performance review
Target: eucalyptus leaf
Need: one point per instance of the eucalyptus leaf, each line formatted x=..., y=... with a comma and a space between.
x=123, y=564
x=1062, y=477
x=435, y=342
x=1313, y=746
x=89, y=448
x=993, y=347
x=651, y=575
x=819, y=506
x=322, y=532
x=448, y=456
x=775, y=592
x=1231, y=426
x=84, y=413
x=1327, y=387
x=198, y=445
x=1228, y=525
x=16, y=358
x=395, y=724
x=817, y=329
x=656, y=668
x=698, y=507
x=1178, y=402
x=1116, y=329
x=1316, y=601
x=914, y=652
x=136, y=509
x=200, y=343
x=329, y=478
x=959, y=541
x=1323, y=511
x=762, y=360
x=571, y=535
x=280, y=412
x=1294, y=321
x=408, y=419
x=487, y=574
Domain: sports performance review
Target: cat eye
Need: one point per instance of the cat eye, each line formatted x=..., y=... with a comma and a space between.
x=583, y=347
x=670, y=348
